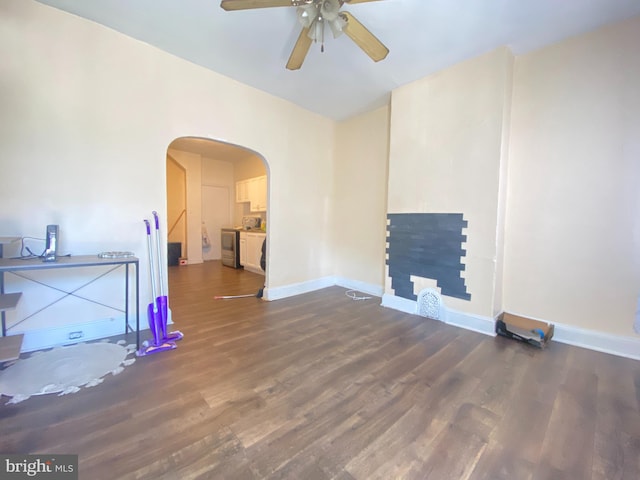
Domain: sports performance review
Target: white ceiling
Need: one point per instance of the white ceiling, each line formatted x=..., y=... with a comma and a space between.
x=423, y=36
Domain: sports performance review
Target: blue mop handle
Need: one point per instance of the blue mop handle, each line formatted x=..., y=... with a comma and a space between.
x=151, y=267
x=160, y=272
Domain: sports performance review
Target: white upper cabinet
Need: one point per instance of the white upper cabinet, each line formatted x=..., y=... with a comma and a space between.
x=258, y=194
x=254, y=191
x=242, y=191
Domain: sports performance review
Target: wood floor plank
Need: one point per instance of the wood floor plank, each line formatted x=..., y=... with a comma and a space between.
x=618, y=423
x=567, y=451
x=319, y=386
x=428, y=416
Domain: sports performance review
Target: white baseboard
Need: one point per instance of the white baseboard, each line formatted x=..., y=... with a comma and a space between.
x=622, y=346
x=67, y=334
x=324, y=282
x=293, y=289
x=359, y=286
x=305, y=287
x=398, y=303
x=619, y=345
x=82, y=332
x=470, y=321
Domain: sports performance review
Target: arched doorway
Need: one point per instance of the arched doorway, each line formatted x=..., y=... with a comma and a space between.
x=212, y=172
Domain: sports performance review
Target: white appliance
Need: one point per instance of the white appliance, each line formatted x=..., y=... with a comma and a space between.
x=230, y=247
x=230, y=240
x=249, y=223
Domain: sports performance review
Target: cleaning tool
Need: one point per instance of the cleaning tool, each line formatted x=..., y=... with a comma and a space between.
x=153, y=313
x=161, y=300
x=223, y=297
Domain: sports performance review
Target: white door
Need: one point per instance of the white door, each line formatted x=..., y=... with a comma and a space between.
x=216, y=213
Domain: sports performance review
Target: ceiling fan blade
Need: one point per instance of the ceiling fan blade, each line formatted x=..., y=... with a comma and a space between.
x=364, y=38
x=300, y=50
x=247, y=4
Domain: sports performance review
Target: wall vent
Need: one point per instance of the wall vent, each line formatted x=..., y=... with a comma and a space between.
x=429, y=304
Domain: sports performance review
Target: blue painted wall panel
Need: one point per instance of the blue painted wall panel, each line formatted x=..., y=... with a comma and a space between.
x=427, y=245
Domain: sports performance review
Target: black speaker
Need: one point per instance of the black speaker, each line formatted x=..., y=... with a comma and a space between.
x=51, y=247
x=174, y=252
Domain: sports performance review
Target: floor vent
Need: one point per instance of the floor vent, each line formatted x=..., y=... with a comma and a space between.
x=429, y=304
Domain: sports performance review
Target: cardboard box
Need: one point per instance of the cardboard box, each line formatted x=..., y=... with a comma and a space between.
x=524, y=329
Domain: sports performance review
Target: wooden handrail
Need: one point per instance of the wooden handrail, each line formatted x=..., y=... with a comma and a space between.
x=184, y=211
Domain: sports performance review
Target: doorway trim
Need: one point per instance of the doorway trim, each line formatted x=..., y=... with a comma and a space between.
x=207, y=147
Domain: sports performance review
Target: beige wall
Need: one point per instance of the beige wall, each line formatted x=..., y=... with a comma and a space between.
x=176, y=202
x=572, y=250
x=359, y=198
x=249, y=167
x=218, y=172
x=87, y=117
x=541, y=155
x=192, y=165
x=446, y=156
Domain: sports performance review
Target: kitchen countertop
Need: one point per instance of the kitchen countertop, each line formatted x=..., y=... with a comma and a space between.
x=240, y=229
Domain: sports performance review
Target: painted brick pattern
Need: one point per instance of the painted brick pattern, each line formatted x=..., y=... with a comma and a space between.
x=427, y=245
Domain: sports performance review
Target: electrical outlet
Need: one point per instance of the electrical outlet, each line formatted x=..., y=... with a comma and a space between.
x=76, y=335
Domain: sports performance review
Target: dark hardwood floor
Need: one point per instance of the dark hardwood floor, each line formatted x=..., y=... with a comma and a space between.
x=320, y=386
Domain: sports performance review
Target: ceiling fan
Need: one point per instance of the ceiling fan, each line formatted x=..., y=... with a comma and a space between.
x=313, y=16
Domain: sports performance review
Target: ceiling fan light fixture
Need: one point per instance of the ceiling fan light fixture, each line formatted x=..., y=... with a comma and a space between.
x=316, y=31
x=312, y=15
x=337, y=26
x=330, y=9
x=315, y=14
x=307, y=14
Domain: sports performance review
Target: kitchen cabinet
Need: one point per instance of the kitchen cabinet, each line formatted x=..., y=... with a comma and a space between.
x=258, y=194
x=243, y=248
x=253, y=251
x=253, y=191
x=242, y=191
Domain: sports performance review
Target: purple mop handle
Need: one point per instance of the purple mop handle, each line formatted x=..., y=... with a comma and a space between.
x=146, y=222
x=155, y=216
